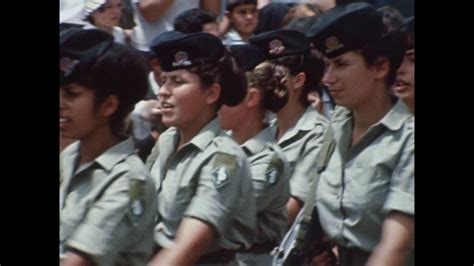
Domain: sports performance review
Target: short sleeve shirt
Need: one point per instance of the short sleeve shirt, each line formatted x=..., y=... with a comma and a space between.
x=270, y=174
x=361, y=184
x=107, y=206
x=207, y=179
x=301, y=144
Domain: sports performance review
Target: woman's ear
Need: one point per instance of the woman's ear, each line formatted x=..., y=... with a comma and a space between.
x=213, y=93
x=299, y=80
x=253, y=97
x=109, y=106
x=381, y=66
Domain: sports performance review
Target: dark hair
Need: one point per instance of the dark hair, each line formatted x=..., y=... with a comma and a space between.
x=228, y=74
x=301, y=24
x=345, y=2
x=312, y=66
x=271, y=17
x=120, y=71
x=272, y=83
x=232, y=4
x=193, y=20
x=89, y=17
x=392, y=45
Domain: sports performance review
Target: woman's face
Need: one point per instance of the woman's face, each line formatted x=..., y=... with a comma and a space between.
x=110, y=15
x=182, y=98
x=349, y=79
x=405, y=84
x=78, y=117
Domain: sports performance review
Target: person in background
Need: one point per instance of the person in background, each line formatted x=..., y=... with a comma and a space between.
x=272, y=17
x=298, y=127
x=107, y=196
x=243, y=19
x=196, y=20
x=365, y=197
x=153, y=17
x=105, y=15
x=404, y=86
x=206, y=204
x=266, y=90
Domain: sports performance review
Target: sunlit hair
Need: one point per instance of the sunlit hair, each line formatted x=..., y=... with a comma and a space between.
x=312, y=66
x=270, y=79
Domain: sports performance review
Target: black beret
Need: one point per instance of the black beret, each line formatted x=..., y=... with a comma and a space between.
x=177, y=50
x=345, y=28
x=78, y=50
x=410, y=23
x=231, y=4
x=247, y=55
x=283, y=42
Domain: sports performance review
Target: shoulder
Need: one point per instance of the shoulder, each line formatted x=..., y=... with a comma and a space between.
x=226, y=145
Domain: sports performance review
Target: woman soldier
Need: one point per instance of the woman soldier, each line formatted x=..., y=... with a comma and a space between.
x=365, y=195
x=405, y=83
x=270, y=169
x=206, y=205
x=107, y=197
x=298, y=127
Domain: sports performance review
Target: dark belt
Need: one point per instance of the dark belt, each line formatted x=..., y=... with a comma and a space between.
x=266, y=247
x=352, y=256
x=220, y=256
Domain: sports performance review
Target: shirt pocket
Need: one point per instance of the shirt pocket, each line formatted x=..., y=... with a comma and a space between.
x=177, y=205
x=71, y=218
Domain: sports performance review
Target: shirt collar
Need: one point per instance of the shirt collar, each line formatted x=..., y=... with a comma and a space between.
x=115, y=154
x=258, y=143
x=207, y=134
x=395, y=118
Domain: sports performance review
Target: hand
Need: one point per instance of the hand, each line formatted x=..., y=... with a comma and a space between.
x=150, y=111
x=325, y=259
x=315, y=100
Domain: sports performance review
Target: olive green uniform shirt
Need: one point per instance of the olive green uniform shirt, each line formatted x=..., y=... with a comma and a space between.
x=361, y=184
x=207, y=179
x=107, y=206
x=270, y=174
x=301, y=144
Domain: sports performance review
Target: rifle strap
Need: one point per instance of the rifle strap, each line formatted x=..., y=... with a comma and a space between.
x=322, y=159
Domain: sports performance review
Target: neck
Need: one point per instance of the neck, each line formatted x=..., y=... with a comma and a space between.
x=373, y=111
x=249, y=128
x=108, y=29
x=96, y=144
x=288, y=116
x=189, y=132
x=411, y=104
x=245, y=36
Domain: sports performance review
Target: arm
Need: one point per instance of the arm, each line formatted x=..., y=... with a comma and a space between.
x=152, y=10
x=192, y=239
x=212, y=6
x=396, y=241
x=224, y=25
x=75, y=259
x=294, y=206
